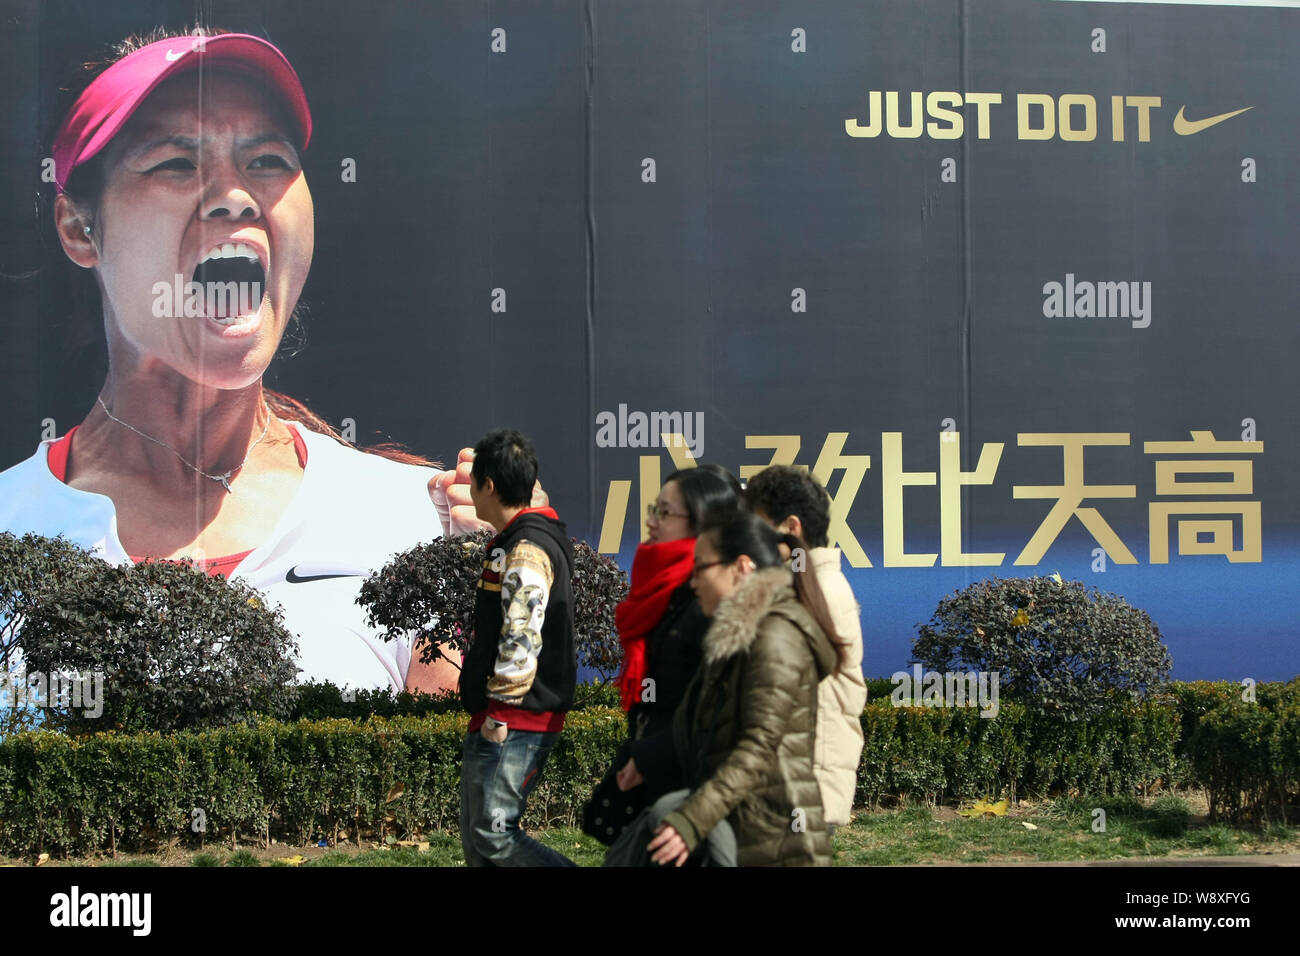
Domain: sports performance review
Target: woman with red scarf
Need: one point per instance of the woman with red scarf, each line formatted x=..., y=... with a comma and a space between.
x=660, y=624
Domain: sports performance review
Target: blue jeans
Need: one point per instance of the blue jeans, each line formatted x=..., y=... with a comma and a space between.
x=495, y=781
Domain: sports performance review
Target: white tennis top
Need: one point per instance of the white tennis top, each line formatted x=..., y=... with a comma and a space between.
x=352, y=513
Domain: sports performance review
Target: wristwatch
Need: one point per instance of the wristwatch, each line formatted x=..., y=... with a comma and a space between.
x=491, y=723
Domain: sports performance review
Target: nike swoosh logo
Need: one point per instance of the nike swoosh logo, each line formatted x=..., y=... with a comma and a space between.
x=1185, y=127
x=173, y=57
x=293, y=577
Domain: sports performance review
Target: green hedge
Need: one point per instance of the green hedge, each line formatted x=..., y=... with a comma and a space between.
x=297, y=782
x=326, y=778
x=1245, y=753
x=939, y=753
x=319, y=701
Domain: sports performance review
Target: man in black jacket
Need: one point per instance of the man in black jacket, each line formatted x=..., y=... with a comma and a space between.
x=518, y=677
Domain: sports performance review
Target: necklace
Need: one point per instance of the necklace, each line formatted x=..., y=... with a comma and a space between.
x=224, y=478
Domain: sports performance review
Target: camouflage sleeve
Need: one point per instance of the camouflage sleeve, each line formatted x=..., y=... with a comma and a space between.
x=525, y=589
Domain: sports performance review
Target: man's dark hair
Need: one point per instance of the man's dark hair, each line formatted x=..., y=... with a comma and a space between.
x=507, y=457
x=709, y=496
x=783, y=490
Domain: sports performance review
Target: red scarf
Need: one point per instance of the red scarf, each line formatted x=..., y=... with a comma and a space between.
x=658, y=570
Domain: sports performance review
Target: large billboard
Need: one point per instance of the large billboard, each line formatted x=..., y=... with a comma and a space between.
x=1012, y=278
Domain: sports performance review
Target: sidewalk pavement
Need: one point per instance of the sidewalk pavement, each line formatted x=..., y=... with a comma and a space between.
x=1245, y=859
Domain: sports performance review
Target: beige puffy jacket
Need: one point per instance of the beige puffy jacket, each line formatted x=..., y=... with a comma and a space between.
x=841, y=696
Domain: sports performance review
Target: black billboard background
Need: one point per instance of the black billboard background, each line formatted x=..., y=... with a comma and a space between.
x=523, y=171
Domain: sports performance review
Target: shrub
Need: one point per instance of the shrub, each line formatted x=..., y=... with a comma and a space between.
x=31, y=568
x=1169, y=815
x=1060, y=647
x=599, y=586
x=952, y=753
x=1246, y=753
x=325, y=700
x=339, y=778
x=587, y=696
x=174, y=647
x=429, y=591
x=1195, y=699
x=879, y=688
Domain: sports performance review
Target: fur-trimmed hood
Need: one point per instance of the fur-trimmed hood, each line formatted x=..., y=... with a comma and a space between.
x=736, y=622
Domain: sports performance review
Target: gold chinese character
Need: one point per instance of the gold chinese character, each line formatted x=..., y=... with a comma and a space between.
x=1205, y=535
x=893, y=479
x=1069, y=495
x=785, y=448
x=950, y=479
x=832, y=459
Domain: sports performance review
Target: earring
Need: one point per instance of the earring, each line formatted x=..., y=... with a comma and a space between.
x=86, y=229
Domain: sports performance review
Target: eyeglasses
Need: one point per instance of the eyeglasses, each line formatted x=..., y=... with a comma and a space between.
x=704, y=567
x=660, y=512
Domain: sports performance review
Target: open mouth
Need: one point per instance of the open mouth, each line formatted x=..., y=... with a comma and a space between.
x=231, y=278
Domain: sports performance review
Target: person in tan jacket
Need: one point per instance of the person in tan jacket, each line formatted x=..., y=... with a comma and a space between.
x=794, y=502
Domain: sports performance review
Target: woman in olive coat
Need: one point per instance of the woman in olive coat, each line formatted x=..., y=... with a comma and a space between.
x=744, y=732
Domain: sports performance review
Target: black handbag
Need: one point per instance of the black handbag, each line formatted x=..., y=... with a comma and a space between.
x=610, y=809
x=718, y=848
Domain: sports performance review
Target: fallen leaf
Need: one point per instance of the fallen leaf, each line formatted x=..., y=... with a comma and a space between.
x=1028, y=826
x=42, y=859
x=292, y=860
x=983, y=807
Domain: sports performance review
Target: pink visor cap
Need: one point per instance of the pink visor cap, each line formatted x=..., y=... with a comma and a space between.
x=112, y=99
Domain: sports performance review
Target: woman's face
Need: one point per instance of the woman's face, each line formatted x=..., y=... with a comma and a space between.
x=714, y=579
x=183, y=185
x=668, y=519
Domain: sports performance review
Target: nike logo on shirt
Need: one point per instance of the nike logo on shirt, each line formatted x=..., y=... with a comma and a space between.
x=293, y=577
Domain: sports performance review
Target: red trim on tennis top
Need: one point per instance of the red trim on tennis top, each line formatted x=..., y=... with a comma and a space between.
x=59, y=455
x=58, y=462
x=217, y=566
x=299, y=445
